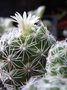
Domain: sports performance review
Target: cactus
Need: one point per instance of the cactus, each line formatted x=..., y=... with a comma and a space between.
x=46, y=83
x=24, y=50
x=57, y=60
x=56, y=67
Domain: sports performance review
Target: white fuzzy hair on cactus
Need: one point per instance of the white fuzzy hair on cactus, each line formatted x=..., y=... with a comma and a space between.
x=46, y=83
x=57, y=58
x=10, y=35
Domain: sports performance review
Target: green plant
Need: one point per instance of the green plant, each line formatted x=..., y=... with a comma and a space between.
x=56, y=67
x=57, y=59
x=46, y=83
x=24, y=50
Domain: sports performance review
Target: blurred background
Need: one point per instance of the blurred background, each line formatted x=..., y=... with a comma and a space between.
x=54, y=17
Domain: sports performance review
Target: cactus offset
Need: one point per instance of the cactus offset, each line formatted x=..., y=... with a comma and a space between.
x=57, y=59
x=46, y=83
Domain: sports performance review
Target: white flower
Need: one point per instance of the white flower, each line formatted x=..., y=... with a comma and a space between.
x=25, y=24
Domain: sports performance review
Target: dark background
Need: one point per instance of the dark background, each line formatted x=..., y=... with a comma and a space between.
x=9, y=7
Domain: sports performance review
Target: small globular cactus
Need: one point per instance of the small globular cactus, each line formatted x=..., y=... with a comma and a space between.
x=24, y=51
x=57, y=59
x=46, y=83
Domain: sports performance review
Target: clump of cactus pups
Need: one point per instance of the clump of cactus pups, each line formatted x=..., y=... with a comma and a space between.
x=46, y=83
x=25, y=55
x=57, y=59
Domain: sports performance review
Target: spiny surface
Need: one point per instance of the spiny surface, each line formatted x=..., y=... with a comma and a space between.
x=46, y=83
x=24, y=55
x=57, y=59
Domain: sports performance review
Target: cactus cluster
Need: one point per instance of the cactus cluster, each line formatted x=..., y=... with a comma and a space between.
x=24, y=55
x=24, y=50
